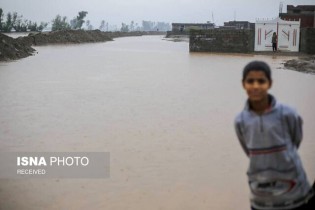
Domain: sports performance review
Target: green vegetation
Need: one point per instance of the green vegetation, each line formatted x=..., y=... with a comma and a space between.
x=155, y=26
x=60, y=23
x=124, y=27
x=12, y=21
x=103, y=26
x=76, y=23
x=15, y=21
x=1, y=19
x=146, y=26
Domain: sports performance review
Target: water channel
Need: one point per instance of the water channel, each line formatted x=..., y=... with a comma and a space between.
x=164, y=114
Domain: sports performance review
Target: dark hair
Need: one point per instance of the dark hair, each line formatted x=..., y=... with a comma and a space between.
x=257, y=66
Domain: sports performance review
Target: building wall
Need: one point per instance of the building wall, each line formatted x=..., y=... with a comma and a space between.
x=307, y=44
x=177, y=33
x=188, y=26
x=300, y=9
x=216, y=40
x=307, y=21
x=304, y=12
x=240, y=41
x=238, y=24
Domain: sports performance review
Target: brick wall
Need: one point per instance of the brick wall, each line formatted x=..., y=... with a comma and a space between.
x=307, y=43
x=218, y=40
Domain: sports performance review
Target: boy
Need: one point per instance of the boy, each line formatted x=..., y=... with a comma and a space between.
x=270, y=134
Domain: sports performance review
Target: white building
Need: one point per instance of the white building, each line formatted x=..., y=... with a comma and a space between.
x=288, y=35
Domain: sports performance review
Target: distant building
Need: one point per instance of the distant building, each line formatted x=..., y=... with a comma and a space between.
x=304, y=12
x=186, y=27
x=238, y=25
x=288, y=33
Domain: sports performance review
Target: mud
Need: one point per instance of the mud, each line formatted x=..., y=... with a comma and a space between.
x=12, y=49
x=303, y=64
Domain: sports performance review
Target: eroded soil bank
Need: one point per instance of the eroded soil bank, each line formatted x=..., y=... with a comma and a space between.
x=303, y=64
x=12, y=49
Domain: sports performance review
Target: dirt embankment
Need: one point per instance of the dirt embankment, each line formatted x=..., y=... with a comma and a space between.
x=303, y=64
x=12, y=49
x=66, y=36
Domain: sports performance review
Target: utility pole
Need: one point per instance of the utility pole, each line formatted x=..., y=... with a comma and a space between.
x=212, y=18
x=280, y=7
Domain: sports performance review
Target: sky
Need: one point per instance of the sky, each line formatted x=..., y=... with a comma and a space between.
x=181, y=11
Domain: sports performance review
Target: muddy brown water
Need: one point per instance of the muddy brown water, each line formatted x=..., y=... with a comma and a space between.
x=164, y=114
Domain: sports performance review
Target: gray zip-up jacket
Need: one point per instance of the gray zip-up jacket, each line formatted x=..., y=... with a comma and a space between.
x=276, y=176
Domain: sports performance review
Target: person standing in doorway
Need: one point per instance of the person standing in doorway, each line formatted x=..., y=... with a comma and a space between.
x=274, y=42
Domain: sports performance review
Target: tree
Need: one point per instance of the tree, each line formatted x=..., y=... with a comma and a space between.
x=24, y=25
x=137, y=27
x=7, y=27
x=14, y=21
x=103, y=26
x=77, y=22
x=21, y=26
x=18, y=24
x=80, y=18
x=15, y=17
x=60, y=23
x=42, y=26
x=1, y=18
x=132, y=26
x=88, y=25
x=73, y=23
x=124, y=27
x=32, y=26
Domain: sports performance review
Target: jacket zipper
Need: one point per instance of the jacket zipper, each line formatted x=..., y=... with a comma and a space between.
x=261, y=124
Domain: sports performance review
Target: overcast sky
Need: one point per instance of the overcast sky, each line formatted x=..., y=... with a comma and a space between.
x=118, y=11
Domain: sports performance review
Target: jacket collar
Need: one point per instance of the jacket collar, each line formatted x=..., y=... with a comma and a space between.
x=272, y=104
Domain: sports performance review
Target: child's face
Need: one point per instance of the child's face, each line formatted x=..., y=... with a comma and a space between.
x=256, y=85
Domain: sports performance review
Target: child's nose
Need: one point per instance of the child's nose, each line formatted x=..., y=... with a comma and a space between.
x=256, y=84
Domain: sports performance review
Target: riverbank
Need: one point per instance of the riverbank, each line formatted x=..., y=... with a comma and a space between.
x=177, y=38
x=21, y=47
x=12, y=49
x=304, y=64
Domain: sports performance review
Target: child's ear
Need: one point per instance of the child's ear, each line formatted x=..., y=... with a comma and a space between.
x=270, y=83
x=243, y=84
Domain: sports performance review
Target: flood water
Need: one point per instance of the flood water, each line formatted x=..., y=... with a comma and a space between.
x=164, y=114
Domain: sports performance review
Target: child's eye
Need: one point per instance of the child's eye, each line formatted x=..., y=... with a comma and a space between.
x=260, y=81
